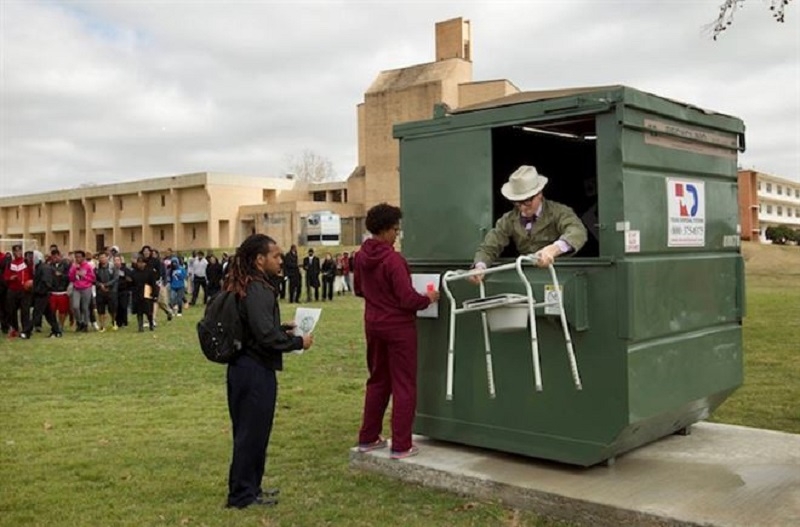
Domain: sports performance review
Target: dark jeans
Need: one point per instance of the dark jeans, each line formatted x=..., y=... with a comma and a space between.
x=18, y=301
x=309, y=287
x=41, y=307
x=4, y=324
x=212, y=288
x=294, y=288
x=197, y=283
x=252, y=392
x=327, y=287
x=123, y=301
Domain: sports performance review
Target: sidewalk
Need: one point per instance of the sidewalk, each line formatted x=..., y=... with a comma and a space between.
x=720, y=475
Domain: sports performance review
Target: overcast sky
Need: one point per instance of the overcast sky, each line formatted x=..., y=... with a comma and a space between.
x=111, y=90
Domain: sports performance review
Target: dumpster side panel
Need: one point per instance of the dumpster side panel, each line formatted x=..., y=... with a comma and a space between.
x=671, y=296
x=692, y=367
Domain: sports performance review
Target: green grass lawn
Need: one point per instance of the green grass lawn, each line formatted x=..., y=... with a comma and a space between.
x=132, y=429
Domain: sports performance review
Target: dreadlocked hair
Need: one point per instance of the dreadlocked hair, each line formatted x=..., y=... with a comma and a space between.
x=242, y=267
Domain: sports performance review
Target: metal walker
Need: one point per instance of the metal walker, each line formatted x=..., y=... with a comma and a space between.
x=505, y=301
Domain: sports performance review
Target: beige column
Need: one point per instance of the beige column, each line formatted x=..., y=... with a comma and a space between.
x=26, y=223
x=213, y=231
x=145, y=201
x=177, y=228
x=87, y=245
x=48, y=226
x=116, y=233
x=73, y=233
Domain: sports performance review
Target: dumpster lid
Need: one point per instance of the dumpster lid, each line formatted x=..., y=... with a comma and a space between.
x=540, y=95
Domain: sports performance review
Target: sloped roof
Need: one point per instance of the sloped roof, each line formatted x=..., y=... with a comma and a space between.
x=402, y=78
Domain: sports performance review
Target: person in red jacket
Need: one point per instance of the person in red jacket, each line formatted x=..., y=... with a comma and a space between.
x=383, y=278
x=18, y=277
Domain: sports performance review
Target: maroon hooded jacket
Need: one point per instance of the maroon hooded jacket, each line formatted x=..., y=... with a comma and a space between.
x=383, y=278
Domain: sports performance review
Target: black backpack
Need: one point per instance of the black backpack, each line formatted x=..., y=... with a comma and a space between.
x=220, y=331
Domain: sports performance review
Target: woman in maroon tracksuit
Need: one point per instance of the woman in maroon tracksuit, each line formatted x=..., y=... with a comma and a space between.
x=382, y=277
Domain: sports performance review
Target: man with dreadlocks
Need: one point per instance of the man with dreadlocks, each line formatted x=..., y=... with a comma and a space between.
x=252, y=383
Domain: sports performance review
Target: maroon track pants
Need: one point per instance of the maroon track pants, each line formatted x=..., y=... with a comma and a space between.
x=392, y=364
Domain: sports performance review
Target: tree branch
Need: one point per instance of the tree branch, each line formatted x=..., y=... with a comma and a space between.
x=728, y=9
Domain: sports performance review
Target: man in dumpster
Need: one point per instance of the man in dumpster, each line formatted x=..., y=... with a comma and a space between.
x=534, y=224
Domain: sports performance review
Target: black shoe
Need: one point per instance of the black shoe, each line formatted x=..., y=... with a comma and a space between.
x=260, y=501
x=54, y=335
x=24, y=336
x=141, y=329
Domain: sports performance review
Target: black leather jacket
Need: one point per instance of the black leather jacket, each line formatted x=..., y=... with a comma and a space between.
x=264, y=338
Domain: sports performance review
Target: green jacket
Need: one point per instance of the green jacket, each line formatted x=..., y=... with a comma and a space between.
x=557, y=221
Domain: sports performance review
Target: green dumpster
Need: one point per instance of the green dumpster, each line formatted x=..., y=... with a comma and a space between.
x=653, y=302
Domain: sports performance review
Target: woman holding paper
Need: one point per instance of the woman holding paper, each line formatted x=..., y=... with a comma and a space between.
x=383, y=278
x=252, y=383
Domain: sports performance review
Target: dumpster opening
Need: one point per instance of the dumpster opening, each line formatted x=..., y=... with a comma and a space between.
x=564, y=151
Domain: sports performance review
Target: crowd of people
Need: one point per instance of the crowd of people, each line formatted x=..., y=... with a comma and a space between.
x=101, y=291
x=82, y=291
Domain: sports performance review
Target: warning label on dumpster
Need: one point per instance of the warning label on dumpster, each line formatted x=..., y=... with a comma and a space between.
x=686, y=210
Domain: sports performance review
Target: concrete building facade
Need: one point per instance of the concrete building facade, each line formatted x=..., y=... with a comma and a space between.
x=765, y=201
x=185, y=212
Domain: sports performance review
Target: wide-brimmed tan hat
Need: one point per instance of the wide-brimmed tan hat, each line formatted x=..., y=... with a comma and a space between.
x=524, y=183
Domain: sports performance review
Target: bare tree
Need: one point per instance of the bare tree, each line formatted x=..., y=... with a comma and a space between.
x=729, y=7
x=311, y=167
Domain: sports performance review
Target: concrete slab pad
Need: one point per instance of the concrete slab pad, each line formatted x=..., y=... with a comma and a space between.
x=720, y=475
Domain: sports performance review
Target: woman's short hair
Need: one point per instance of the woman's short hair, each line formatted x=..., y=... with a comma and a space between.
x=382, y=217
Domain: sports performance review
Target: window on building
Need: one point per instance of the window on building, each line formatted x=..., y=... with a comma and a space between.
x=17, y=211
x=64, y=240
x=759, y=185
x=769, y=187
x=133, y=236
x=121, y=204
x=161, y=235
x=780, y=210
x=39, y=211
x=769, y=209
x=337, y=196
x=94, y=207
x=780, y=190
x=797, y=193
x=194, y=233
x=759, y=207
x=788, y=212
x=318, y=195
x=163, y=200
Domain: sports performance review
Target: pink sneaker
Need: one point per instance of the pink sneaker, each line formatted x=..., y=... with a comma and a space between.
x=375, y=445
x=411, y=452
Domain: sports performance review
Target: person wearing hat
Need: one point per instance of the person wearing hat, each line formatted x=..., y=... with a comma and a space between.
x=535, y=225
